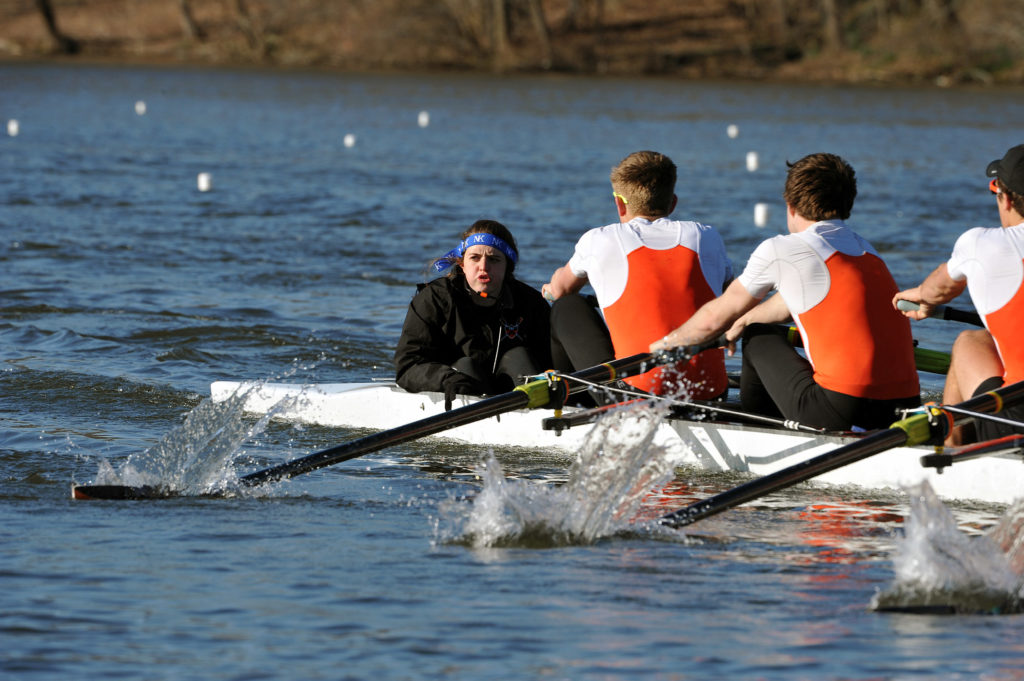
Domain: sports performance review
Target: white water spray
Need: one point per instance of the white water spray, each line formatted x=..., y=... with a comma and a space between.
x=617, y=467
x=195, y=457
x=939, y=566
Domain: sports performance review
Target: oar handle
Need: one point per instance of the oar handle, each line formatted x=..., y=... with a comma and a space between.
x=640, y=363
x=944, y=312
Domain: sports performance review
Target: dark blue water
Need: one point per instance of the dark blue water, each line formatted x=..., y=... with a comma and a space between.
x=124, y=291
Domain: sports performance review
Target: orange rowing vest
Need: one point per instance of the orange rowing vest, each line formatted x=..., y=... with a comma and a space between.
x=663, y=290
x=1007, y=328
x=857, y=342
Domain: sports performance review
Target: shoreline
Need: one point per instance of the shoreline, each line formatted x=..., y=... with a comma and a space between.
x=95, y=61
x=702, y=40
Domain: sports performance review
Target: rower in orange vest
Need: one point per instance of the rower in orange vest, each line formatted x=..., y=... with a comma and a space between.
x=989, y=263
x=649, y=273
x=859, y=370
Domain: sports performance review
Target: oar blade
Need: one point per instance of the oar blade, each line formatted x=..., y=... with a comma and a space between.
x=120, y=492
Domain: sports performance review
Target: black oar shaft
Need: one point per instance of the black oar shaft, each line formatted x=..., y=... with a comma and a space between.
x=787, y=477
x=538, y=393
x=533, y=394
x=954, y=315
x=914, y=430
x=377, y=441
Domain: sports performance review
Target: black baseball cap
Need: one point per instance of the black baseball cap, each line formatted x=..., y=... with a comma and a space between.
x=1009, y=169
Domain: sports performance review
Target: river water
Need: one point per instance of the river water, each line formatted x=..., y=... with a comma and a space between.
x=126, y=291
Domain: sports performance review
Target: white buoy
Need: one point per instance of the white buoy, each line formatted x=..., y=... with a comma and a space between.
x=424, y=119
x=350, y=140
x=733, y=131
x=752, y=161
x=140, y=108
x=12, y=127
x=760, y=214
x=204, y=181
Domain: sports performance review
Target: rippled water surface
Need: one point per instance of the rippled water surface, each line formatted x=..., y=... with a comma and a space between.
x=124, y=292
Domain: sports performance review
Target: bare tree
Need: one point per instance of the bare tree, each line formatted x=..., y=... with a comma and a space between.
x=499, y=26
x=65, y=44
x=778, y=19
x=243, y=18
x=584, y=14
x=473, y=21
x=832, y=33
x=188, y=23
x=941, y=12
x=540, y=27
x=489, y=24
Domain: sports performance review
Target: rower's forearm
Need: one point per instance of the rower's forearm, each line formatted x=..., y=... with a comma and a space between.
x=563, y=282
x=935, y=294
x=939, y=288
x=700, y=328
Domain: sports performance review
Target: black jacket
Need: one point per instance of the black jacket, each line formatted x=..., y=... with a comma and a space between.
x=447, y=321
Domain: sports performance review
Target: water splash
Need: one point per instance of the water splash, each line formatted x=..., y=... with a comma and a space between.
x=940, y=569
x=1008, y=534
x=194, y=457
x=617, y=466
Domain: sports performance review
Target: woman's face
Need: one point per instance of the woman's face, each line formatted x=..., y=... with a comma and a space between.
x=484, y=267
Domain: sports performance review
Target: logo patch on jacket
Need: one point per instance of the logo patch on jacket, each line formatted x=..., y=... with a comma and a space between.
x=511, y=330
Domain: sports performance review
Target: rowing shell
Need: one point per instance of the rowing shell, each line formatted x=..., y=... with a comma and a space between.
x=711, y=445
x=381, y=406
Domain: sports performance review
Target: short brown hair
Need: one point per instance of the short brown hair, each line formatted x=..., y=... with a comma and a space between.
x=648, y=181
x=821, y=187
x=1016, y=200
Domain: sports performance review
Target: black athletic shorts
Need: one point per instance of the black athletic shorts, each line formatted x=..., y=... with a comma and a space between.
x=989, y=430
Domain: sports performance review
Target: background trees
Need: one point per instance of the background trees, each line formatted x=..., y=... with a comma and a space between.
x=965, y=40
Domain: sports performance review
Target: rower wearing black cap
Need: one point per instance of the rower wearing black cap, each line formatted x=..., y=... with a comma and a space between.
x=989, y=263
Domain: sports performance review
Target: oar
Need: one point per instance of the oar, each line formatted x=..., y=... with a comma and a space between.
x=943, y=312
x=537, y=393
x=914, y=430
x=1001, y=446
x=932, y=361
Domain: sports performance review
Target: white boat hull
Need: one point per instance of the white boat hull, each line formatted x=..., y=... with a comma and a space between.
x=760, y=451
x=711, y=445
x=382, y=406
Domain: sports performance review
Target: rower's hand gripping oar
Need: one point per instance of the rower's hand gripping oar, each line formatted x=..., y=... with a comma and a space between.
x=918, y=429
x=943, y=312
x=549, y=391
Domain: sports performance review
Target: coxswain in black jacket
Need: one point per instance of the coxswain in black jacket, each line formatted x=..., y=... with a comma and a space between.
x=456, y=341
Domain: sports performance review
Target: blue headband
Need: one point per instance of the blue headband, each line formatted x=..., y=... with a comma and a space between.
x=478, y=239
